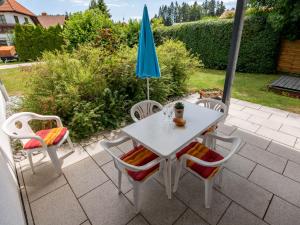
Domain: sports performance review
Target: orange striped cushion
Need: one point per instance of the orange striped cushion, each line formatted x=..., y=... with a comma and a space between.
x=140, y=156
x=200, y=151
x=50, y=136
x=210, y=130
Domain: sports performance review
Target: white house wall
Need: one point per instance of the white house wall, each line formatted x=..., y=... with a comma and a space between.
x=11, y=209
x=11, y=20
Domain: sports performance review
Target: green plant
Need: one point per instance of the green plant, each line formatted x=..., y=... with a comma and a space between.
x=211, y=41
x=31, y=41
x=179, y=105
x=85, y=27
x=93, y=89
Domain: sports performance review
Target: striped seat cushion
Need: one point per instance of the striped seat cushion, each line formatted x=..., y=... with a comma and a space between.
x=200, y=151
x=50, y=136
x=210, y=130
x=140, y=156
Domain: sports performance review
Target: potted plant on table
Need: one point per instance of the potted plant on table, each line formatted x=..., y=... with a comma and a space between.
x=179, y=109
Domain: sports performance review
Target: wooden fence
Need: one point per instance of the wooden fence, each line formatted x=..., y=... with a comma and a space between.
x=289, y=57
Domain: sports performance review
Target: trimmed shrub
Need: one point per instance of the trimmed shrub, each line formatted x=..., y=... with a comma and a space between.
x=92, y=89
x=211, y=41
x=31, y=41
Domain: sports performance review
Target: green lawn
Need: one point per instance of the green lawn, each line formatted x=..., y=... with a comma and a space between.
x=246, y=86
x=15, y=80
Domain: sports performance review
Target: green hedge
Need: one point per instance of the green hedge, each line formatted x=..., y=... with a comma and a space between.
x=31, y=41
x=210, y=40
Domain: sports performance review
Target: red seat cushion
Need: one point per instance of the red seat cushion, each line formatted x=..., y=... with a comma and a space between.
x=50, y=136
x=140, y=156
x=202, y=152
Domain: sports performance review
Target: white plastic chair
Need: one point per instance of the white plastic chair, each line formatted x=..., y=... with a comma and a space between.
x=144, y=109
x=124, y=167
x=17, y=127
x=217, y=106
x=208, y=182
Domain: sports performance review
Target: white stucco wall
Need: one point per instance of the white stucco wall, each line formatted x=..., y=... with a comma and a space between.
x=9, y=17
x=11, y=209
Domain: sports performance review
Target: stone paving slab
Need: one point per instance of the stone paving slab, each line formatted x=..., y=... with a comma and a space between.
x=285, y=152
x=252, y=138
x=190, y=218
x=58, y=207
x=236, y=215
x=263, y=157
x=246, y=125
x=253, y=198
x=282, y=213
x=277, y=184
x=294, y=131
x=275, y=125
x=292, y=171
x=278, y=136
x=104, y=206
x=256, y=112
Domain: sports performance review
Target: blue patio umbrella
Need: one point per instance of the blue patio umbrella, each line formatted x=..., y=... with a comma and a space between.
x=147, y=63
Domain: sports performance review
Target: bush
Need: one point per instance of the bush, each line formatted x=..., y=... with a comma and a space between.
x=211, y=41
x=85, y=27
x=31, y=41
x=92, y=89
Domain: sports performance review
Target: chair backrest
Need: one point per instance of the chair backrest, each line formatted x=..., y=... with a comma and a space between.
x=144, y=109
x=214, y=105
x=17, y=125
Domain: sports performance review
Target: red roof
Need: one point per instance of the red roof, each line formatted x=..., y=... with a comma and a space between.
x=14, y=6
x=48, y=20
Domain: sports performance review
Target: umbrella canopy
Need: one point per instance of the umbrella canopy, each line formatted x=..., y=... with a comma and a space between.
x=147, y=62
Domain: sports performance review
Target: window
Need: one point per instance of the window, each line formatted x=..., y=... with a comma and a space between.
x=16, y=19
x=2, y=19
x=26, y=20
x=3, y=42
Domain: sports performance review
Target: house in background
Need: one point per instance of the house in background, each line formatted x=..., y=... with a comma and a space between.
x=47, y=21
x=12, y=13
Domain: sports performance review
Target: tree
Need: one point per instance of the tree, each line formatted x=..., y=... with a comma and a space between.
x=284, y=15
x=220, y=8
x=211, y=8
x=100, y=4
x=84, y=27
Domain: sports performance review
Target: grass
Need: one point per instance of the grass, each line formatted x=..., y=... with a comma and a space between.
x=246, y=86
x=15, y=80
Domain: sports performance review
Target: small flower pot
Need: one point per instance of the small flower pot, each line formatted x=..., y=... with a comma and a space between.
x=179, y=113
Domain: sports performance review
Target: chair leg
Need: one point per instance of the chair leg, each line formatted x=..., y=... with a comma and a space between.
x=70, y=143
x=177, y=175
x=220, y=179
x=119, y=181
x=136, y=196
x=30, y=161
x=54, y=158
x=208, y=192
x=44, y=153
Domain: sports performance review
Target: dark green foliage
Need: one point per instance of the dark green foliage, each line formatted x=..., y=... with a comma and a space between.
x=31, y=41
x=284, y=15
x=210, y=40
x=93, y=89
x=185, y=12
x=100, y=4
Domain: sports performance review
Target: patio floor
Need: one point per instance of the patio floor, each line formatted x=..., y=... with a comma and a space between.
x=261, y=184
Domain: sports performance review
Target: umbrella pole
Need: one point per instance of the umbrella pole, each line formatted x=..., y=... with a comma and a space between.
x=148, y=92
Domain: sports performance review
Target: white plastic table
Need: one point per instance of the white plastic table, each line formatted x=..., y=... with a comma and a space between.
x=165, y=139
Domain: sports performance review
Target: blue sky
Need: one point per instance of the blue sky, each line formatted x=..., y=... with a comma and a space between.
x=118, y=8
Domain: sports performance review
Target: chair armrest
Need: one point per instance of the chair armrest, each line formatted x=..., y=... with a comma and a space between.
x=50, y=117
x=36, y=137
x=236, y=143
x=109, y=144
